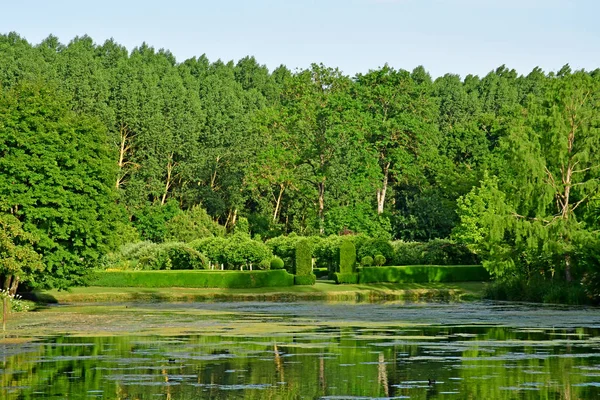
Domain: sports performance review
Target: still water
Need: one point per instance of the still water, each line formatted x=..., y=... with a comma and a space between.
x=303, y=351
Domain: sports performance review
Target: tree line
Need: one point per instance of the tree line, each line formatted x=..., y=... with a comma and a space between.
x=101, y=146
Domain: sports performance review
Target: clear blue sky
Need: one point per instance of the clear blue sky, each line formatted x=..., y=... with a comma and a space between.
x=457, y=36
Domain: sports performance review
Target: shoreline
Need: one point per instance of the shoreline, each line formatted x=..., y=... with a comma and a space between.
x=322, y=291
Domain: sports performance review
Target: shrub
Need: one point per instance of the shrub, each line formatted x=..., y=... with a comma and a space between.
x=284, y=247
x=303, y=258
x=327, y=251
x=366, y=261
x=379, y=260
x=151, y=220
x=434, y=252
x=347, y=257
x=213, y=248
x=197, y=279
x=424, y=273
x=171, y=255
x=305, y=279
x=373, y=247
x=320, y=272
x=240, y=250
x=276, y=263
x=345, y=278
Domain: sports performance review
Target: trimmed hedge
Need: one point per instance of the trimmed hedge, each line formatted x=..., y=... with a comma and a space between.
x=196, y=279
x=276, y=263
x=303, y=258
x=347, y=257
x=424, y=273
x=345, y=278
x=305, y=279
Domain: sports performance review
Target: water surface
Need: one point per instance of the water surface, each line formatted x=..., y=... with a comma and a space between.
x=303, y=350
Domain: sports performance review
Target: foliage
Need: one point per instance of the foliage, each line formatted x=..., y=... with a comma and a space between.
x=151, y=220
x=350, y=278
x=241, y=251
x=540, y=290
x=379, y=260
x=303, y=258
x=285, y=248
x=276, y=263
x=424, y=273
x=200, y=279
x=434, y=252
x=373, y=247
x=321, y=272
x=190, y=225
x=18, y=259
x=56, y=176
x=15, y=301
x=213, y=247
x=347, y=257
x=163, y=256
x=308, y=280
x=366, y=261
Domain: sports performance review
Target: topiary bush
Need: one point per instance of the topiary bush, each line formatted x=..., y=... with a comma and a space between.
x=305, y=279
x=277, y=263
x=366, y=261
x=345, y=278
x=347, y=257
x=303, y=258
x=379, y=260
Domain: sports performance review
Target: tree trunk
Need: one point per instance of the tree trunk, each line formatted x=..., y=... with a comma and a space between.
x=169, y=181
x=278, y=202
x=568, y=276
x=381, y=192
x=7, y=281
x=14, y=286
x=321, y=187
x=124, y=149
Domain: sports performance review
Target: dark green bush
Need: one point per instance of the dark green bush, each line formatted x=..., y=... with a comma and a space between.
x=379, y=260
x=277, y=263
x=192, y=224
x=196, y=279
x=424, y=273
x=347, y=257
x=321, y=272
x=373, y=247
x=305, y=279
x=366, y=261
x=538, y=290
x=303, y=258
x=345, y=278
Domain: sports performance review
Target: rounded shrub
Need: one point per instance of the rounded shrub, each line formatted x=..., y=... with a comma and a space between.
x=366, y=261
x=171, y=255
x=379, y=260
x=284, y=247
x=277, y=263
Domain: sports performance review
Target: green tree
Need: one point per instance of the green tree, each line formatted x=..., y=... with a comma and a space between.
x=56, y=176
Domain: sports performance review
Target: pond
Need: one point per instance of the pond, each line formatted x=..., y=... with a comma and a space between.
x=303, y=350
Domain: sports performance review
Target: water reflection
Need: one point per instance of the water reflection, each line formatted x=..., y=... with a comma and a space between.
x=329, y=362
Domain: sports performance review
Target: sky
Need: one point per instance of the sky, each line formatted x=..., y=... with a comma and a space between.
x=445, y=36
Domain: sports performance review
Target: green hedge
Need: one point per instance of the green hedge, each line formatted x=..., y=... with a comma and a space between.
x=345, y=278
x=424, y=273
x=303, y=258
x=305, y=279
x=347, y=257
x=197, y=279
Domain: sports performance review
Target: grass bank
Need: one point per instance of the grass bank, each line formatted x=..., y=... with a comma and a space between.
x=322, y=290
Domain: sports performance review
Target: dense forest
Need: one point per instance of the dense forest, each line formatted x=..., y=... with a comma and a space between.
x=101, y=146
